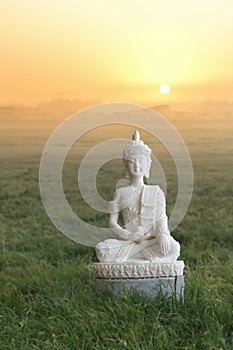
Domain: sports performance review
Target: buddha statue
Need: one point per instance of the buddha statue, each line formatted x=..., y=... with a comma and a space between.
x=145, y=235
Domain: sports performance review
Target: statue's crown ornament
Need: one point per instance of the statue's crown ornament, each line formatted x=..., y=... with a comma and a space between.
x=136, y=148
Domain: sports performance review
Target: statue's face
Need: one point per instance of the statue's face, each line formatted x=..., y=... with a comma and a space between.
x=137, y=167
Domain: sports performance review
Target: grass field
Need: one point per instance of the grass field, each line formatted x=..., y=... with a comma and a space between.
x=47, y=294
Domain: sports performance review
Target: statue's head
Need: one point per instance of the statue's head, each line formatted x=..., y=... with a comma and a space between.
x=136, y=152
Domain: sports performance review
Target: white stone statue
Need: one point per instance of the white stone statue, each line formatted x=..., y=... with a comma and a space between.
x=145, y=235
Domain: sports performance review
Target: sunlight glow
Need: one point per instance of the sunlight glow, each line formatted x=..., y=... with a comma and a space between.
x=164, y=89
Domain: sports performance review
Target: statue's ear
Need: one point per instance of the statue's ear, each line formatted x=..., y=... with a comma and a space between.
x=147, y=172
x=126, y=168
x=126, y=173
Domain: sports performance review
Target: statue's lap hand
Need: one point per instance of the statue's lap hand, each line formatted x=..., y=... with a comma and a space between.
x=164, y=244
x=134, y=236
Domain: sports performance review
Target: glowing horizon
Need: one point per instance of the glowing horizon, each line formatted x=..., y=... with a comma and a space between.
x=108, y=51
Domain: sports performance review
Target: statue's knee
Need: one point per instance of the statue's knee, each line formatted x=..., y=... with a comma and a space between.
x=99, y=253
x=175, y=246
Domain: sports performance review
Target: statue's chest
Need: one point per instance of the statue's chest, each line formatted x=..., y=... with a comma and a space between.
x=139, y=208
x=131, y=198
x=131, y=206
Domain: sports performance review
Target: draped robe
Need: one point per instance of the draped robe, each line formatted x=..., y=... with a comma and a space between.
x=148, y=212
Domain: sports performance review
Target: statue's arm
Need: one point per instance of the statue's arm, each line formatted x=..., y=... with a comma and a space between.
x=113, y=218
x=162, y=230
x=161, y=217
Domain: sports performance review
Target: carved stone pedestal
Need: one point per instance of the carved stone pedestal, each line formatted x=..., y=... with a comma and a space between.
x=147, y=278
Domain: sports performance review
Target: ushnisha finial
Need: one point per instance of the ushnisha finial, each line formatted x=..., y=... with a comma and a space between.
x=136, y=136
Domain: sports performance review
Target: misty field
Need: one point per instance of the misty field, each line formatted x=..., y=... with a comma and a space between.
x=47, y=294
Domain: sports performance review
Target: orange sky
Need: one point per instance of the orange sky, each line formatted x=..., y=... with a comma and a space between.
x=115, y=50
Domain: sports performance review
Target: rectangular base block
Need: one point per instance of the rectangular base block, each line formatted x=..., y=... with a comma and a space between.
x=169, y=286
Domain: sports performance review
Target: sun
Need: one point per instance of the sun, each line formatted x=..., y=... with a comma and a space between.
x=164, y=89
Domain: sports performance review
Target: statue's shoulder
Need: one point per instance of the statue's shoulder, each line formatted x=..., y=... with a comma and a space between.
x=156, y=188
x=118, y=199
x=122, y=191
x=155, y=191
